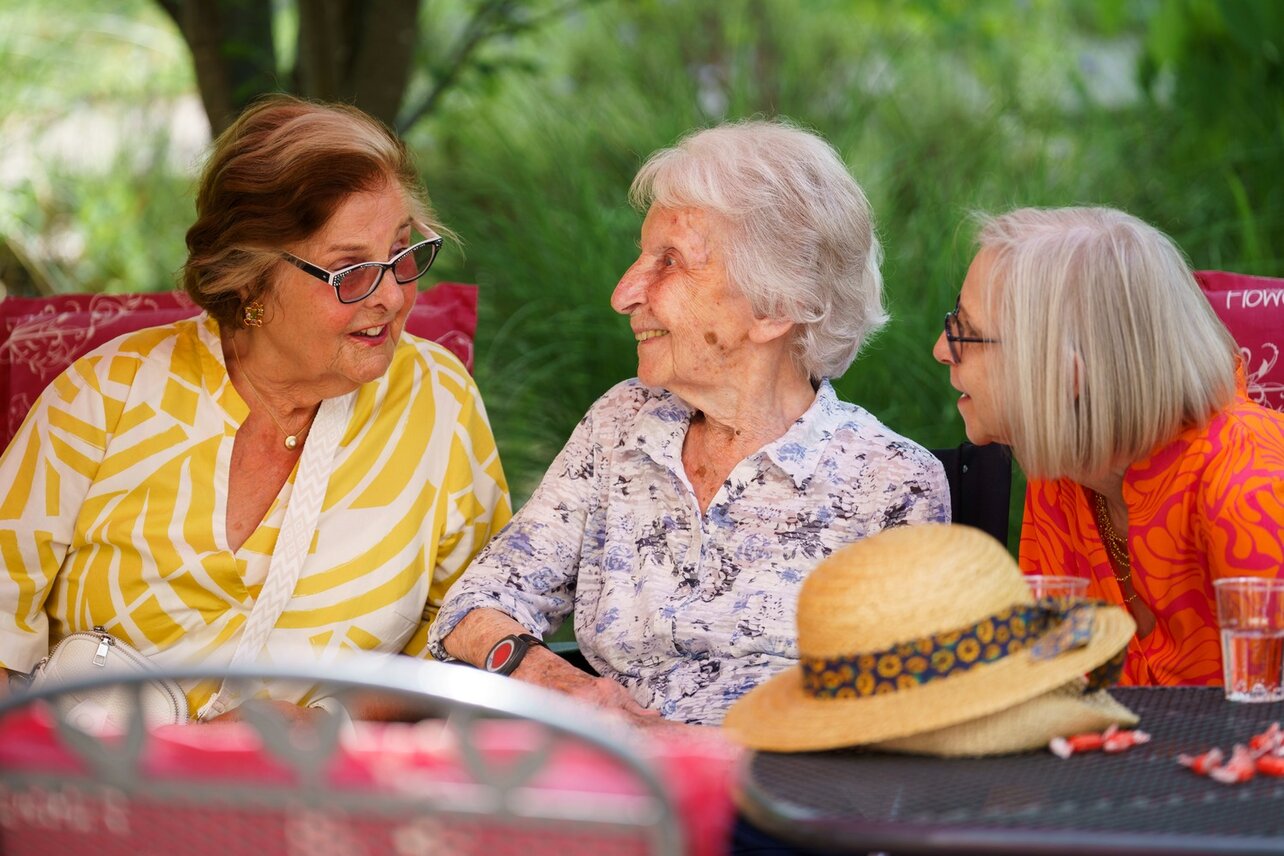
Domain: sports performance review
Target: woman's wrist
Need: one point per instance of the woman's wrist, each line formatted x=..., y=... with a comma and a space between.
x=477, y=632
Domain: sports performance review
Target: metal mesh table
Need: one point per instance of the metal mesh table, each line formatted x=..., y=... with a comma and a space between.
x=1139, y=801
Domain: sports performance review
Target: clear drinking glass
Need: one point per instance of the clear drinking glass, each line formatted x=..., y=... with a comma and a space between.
x=1060, y=588
x=1250, y=613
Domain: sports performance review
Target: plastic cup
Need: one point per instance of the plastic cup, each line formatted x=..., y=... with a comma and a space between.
x=1057, y=587
x=1250, y=614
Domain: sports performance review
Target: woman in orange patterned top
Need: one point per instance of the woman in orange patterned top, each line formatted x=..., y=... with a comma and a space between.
x=1081, y=339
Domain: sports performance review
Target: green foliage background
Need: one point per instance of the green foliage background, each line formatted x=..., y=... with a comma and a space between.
x=1170, y=109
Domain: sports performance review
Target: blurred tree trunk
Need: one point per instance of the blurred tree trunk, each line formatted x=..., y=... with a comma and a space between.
x=349, y=50
x=232, y=52
x=359, y=51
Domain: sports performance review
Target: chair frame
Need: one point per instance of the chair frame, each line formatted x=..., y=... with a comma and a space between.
x=980, y=479
x=468, y=698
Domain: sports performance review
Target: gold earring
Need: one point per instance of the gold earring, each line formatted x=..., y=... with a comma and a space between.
x=252, y=314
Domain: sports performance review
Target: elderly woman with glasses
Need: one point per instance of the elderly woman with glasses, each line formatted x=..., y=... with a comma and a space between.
x=147, y=491
x=690, y=503
x=1081, y=339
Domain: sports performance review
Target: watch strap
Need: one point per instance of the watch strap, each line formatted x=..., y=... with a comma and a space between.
x=507, y=654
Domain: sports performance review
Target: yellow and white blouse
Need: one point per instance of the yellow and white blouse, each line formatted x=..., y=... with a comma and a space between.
x=113, y=509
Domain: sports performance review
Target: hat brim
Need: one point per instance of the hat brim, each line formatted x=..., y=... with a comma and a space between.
x=780, y=716
x=1029, y=725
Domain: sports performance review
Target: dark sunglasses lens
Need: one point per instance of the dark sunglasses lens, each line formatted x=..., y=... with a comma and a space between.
x=358, y=283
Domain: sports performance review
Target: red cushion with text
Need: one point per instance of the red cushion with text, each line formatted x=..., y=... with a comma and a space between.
x=1252, y=308
x=42, y=336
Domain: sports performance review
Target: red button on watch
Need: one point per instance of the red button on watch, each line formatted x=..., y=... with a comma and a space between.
x=507, y=654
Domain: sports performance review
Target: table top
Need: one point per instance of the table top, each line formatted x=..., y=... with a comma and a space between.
x=1138, y=801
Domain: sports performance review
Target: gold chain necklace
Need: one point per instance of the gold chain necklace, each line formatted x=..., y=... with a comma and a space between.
x=1116, y=545
x=291, y=437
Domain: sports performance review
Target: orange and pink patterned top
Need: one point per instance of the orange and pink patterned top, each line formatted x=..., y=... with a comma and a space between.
x=1209, y=504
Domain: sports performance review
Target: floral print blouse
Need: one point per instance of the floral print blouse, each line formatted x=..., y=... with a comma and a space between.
x=689, y=611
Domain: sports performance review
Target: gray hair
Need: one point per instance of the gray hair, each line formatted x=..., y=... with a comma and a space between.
x=800, y=243
x=1109, y=347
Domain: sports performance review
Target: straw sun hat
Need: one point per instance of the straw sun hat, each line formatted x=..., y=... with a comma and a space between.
x=926, y=639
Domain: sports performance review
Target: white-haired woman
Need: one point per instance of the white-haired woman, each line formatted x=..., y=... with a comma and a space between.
x=690, y=503
x=1081, y=339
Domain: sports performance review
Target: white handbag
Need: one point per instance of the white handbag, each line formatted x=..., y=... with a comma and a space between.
x=90, y=653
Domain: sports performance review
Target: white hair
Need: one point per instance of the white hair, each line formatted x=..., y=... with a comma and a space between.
x=1109, y=348
x=800, y=244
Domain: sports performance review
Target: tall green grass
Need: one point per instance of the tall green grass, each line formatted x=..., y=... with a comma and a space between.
x=939, y=109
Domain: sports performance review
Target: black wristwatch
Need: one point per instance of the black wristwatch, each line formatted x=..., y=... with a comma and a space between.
x=507, y=654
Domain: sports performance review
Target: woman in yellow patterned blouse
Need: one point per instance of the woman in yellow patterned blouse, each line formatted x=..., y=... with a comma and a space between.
x=147, y=488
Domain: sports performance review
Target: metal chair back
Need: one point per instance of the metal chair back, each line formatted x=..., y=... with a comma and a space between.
x=980, y=480
x=497, y=767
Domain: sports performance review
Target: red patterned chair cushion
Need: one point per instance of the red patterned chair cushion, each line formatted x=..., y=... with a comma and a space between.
x=217, y=790
x=1252, y=308
x=41, y=336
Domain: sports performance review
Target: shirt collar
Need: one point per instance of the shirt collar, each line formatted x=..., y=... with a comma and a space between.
x=662, y=422
x=798, y=450
x=660, y=427
x=214, y=374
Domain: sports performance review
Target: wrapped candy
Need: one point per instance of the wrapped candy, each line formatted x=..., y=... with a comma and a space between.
x=1240, y=768
x=1064, y=747
x=1269, y=742
x=1202, y=764
x=1113, y=739
x=1271, y=765
x=1121, y=740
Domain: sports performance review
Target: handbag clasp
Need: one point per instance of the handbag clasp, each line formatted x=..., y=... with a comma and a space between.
x=105, y=641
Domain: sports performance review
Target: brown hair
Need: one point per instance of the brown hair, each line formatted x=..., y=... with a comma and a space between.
x=275, y=177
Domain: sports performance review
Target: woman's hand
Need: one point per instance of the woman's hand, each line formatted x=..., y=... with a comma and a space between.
x=544, y=668
x=476, y=632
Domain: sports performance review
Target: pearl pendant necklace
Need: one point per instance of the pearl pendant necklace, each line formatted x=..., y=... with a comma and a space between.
x=291, y=437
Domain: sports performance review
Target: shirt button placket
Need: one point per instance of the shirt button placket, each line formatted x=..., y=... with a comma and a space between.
x=695, y=555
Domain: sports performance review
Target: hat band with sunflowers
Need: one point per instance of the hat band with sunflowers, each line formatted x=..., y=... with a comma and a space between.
x=1046, y=629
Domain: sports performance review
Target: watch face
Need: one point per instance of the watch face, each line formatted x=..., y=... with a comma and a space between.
x=501, y=654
